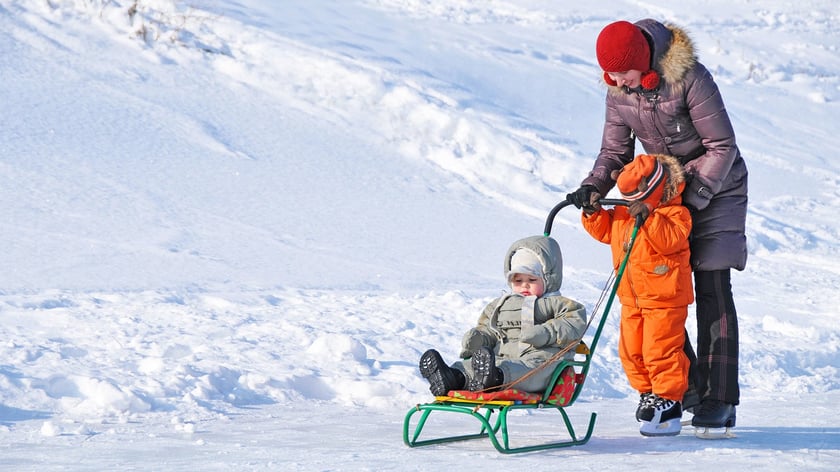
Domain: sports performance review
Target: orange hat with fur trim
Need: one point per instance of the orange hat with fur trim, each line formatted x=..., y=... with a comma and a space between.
x=643, y=179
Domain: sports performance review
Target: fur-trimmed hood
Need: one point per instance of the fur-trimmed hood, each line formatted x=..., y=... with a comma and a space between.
x=673, y=52
x=675, y=182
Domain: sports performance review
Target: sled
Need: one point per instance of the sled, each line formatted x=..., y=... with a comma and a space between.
x=563, y=389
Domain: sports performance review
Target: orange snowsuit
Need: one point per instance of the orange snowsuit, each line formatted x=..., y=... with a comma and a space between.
x=654, y=292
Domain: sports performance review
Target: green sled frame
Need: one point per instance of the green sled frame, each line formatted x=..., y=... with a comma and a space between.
x=496, y=429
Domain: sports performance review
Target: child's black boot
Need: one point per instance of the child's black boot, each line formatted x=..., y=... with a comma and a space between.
x=441, y=377
x=485, y=373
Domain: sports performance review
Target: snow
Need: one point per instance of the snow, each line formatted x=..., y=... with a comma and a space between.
x=231, y=228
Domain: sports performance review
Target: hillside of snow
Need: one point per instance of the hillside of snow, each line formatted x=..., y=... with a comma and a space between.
x=230, y=228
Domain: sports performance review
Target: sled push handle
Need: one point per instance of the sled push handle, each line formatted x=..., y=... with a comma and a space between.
x=549, y=221
x=619, y=272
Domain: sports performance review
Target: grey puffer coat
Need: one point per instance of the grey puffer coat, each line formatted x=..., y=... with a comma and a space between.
x=684, y=117
x=500, y=322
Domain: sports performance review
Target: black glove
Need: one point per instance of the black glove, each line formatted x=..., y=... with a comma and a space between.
x=696, y=196
x=582, y=197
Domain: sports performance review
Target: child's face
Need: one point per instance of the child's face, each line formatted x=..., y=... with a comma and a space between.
x=525, y=284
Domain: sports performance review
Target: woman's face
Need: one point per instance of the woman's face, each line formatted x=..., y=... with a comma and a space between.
x=630, y=79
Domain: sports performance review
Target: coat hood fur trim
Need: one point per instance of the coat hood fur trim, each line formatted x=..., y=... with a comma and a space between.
x=679, y=58
x=675, y=177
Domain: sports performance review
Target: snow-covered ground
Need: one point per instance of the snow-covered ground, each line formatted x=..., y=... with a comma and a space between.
x=230, y=228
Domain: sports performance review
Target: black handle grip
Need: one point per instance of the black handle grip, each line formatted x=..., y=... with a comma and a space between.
x=549, y=221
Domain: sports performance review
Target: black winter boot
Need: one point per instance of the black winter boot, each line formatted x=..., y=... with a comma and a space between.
x=441, y=377
x=485, y=373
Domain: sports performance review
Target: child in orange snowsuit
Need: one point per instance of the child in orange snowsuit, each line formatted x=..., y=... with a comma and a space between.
x=656, y=287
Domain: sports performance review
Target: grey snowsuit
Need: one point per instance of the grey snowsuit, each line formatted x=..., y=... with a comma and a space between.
x=502, y=319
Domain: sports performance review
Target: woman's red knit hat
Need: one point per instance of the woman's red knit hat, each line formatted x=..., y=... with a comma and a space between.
x=622, y=46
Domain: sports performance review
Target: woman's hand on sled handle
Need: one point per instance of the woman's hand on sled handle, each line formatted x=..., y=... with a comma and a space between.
x=586, y=198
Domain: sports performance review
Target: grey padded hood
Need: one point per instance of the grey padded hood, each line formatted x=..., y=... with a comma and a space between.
x=549, y=254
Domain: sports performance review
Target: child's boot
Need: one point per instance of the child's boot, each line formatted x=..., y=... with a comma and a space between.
x=441, y=377
x=485, y=373
x=666, y=421
x=644, y=412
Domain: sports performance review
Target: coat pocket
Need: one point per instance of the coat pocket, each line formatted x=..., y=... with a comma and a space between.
x=658, y=280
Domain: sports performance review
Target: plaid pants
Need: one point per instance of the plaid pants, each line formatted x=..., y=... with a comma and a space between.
x=715, y=372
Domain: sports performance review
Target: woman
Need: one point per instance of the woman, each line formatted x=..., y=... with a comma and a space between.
x=660, y=94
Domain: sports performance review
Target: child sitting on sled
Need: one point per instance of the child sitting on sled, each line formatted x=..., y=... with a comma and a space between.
x=656, y=289
x=517, y=332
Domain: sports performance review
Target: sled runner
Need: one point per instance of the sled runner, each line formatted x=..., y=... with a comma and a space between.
x=563, y=389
